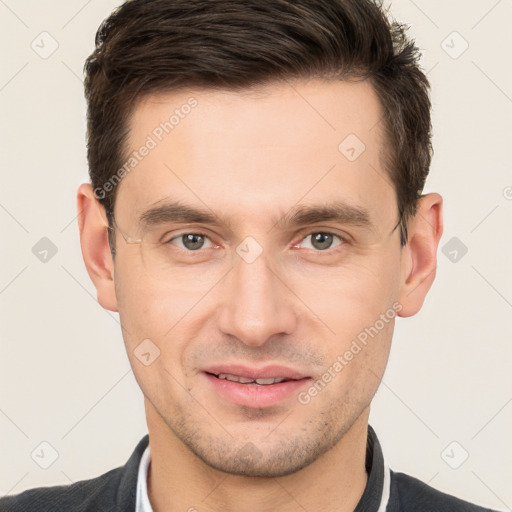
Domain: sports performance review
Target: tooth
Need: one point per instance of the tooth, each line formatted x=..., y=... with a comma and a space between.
x=245, y=380
x=265, y=381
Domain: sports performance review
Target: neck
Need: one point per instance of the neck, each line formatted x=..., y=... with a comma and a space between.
x=179, y=481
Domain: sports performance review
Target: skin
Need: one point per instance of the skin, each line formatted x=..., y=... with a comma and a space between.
x=253, y=156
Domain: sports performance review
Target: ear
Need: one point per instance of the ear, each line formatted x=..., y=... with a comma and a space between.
x=419, y=256
x=92, y=223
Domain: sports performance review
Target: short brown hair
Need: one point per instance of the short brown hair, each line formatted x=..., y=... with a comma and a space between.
x=153, y=46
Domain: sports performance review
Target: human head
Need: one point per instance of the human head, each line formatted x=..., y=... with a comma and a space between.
x=255, y=148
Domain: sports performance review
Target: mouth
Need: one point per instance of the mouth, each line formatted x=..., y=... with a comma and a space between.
x=247, y=380
x=255, y=388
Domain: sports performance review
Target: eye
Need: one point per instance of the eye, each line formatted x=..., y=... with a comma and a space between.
x=321, y=241
x=191, y=241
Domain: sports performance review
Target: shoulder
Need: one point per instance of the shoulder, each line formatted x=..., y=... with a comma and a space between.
x=411, y=494
x=81, y=496
x=114, y=491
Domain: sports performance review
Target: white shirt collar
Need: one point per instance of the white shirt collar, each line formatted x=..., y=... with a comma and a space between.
x=143, y=504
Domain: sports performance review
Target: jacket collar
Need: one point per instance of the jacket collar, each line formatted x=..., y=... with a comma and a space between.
x=127, y=490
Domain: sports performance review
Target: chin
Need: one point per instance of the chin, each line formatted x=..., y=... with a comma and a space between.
x=269, y=461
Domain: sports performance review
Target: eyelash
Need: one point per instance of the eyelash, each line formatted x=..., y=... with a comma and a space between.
x=330, y=251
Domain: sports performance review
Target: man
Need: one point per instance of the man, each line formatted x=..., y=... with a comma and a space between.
x=255, y=216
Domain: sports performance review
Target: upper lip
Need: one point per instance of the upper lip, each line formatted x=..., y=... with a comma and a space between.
x=266, y=372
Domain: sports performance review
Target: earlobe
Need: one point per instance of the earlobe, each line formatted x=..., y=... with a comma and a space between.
x=92, y=224
x=419, y=258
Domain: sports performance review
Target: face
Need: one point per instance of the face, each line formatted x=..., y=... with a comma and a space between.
x=268, y=252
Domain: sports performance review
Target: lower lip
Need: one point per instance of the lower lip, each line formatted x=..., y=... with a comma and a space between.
x=255, y=395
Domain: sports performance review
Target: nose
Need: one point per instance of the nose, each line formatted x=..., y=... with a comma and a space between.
x=256, y=304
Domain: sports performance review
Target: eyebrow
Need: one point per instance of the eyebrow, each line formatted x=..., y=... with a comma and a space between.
x=339, y=211
x=177, y=212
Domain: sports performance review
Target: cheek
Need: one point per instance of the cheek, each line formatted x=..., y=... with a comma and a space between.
x=155, y=319
x=151, y=332
x=147, y=308
x=352, y=296
x=349, y=303
x=356, y=362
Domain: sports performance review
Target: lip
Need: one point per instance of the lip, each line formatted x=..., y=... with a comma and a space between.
x=255, y=395
x=265, y=372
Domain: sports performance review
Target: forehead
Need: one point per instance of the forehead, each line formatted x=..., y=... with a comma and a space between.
x=258, y=150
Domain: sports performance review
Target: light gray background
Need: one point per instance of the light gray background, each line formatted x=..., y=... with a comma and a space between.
x=64, y=375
